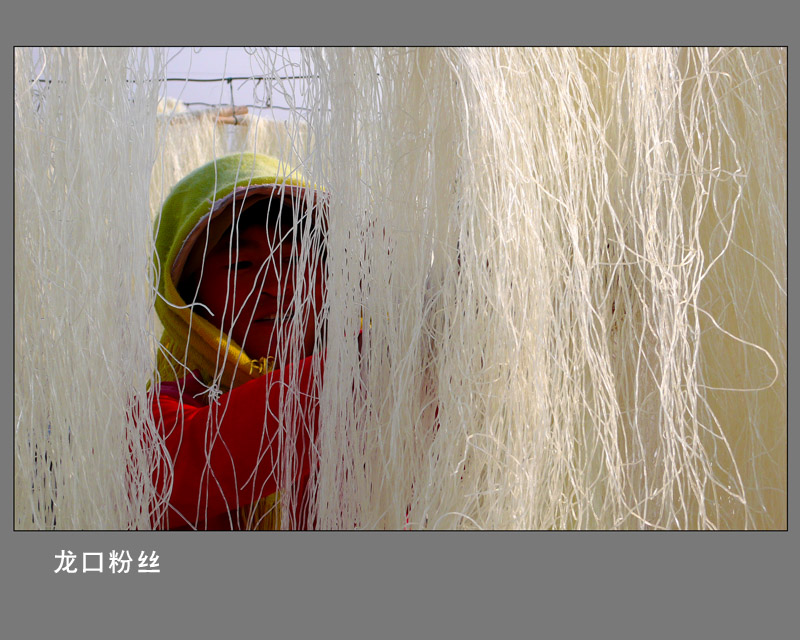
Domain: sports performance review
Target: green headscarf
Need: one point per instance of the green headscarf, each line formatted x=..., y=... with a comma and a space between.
x=195, y=214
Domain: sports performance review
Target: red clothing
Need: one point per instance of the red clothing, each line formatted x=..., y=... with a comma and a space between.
x=226, y=455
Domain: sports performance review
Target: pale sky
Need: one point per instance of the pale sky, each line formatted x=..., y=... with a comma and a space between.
x=220, y=62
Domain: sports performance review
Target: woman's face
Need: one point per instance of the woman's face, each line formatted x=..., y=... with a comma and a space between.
x=249, y=284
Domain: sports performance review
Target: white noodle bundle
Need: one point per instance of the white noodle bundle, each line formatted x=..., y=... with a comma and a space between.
x=542, y=244
x=82, y=291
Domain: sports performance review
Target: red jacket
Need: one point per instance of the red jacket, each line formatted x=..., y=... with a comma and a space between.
x=226, y=455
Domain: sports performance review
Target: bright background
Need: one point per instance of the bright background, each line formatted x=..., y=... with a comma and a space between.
x=208, y=63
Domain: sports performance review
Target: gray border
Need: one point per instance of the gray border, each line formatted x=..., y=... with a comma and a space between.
x=366, y=584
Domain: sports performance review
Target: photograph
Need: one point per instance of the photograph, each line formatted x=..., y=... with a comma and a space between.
x=402, y=288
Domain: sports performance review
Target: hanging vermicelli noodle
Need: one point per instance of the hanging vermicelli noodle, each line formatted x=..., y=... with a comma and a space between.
x=82, y=288
x=543, y=233
x=555, y=284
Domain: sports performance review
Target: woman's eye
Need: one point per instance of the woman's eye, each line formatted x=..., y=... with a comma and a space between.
x=243, y=264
